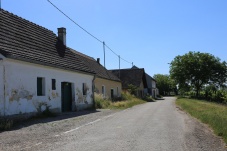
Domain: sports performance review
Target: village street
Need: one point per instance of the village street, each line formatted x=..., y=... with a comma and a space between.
x=153, y=126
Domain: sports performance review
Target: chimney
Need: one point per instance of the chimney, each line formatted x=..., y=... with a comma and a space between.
x=62, y=35
x=98, y=60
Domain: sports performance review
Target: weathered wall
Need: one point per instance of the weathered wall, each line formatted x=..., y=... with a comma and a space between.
x=21, y=88
x=99, y=82
x=153, y=84
x=154, y=89
x=1, y=88
x=140, y=91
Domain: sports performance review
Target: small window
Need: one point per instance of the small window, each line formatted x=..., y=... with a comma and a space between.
x=117, y=92
x=53, y=84
x=84, y=89
x=40, y=86
x=112, y=93
x=103, y=90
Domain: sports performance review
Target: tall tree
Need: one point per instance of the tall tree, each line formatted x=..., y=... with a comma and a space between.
x=164, y=84
x=197, y=69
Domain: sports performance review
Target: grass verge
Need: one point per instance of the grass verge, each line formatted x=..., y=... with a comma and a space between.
x=126, y=102
x=213, y=114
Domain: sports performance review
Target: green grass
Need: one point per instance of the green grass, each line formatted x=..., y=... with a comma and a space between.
x=213, y=114
x=127, y=102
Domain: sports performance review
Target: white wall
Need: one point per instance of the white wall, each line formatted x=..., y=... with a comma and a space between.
x=153, y=84
x=1, y=89
x=21, y=87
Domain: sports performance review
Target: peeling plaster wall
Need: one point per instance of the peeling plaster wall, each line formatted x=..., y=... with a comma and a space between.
x=21, y=88
x=1, y=88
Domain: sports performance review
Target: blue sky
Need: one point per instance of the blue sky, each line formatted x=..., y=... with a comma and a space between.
x=149, y=33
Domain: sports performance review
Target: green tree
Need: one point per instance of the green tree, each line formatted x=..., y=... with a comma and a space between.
x=197, y=69
x=164, y=84
x=132, y=89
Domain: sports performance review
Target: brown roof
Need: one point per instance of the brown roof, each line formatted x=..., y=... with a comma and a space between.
x=26, y=41
x=100, y=71
x=131, y=76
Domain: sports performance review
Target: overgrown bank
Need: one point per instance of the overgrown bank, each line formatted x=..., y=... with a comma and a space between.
x=126, y=101
x=213, y=114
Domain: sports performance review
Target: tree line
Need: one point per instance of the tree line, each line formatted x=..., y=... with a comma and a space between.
x=195, y=74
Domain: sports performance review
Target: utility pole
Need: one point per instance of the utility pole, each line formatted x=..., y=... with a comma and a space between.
x=104, y=54
x=119, y=65
x=132, y=64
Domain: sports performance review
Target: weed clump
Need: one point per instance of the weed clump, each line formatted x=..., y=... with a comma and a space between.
x=6, y=124
x=125, y=101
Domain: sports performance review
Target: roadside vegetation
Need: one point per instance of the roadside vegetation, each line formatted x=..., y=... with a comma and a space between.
x=6, y=124
x=213, y=114
x=200, y=75
x=165, y=85
x=127, y=100
x=201, y=81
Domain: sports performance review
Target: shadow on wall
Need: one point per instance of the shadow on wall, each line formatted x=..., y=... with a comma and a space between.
x=60, y=47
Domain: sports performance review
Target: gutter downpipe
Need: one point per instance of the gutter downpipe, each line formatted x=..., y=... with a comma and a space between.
x=4, y=87
x=93, y=91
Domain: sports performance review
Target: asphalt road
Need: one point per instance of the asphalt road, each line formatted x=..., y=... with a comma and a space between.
x=154, y=126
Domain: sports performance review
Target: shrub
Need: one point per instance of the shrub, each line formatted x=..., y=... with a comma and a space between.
x=132, y=89
x=159, y=96
x=100, y=102
x=45, y=113
x=6, y=124
x=126, y=96
x=148, y=98
x=127, y=100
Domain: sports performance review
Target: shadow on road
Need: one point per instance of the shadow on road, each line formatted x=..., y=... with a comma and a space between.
x=36, y=120
x=159, y=99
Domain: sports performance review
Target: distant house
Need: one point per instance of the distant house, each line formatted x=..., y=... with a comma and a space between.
x=151, y=88
x=105, y=83
x=135, y=77
x=38, y=71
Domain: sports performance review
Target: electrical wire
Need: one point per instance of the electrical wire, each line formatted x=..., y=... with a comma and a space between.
x=111, y=50
x=74, y=21
x=87, y=32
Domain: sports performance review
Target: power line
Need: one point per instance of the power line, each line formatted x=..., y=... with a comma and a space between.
x=118, y=55
x=89, y=34
x=111, y=50
x=74, y=21
x=126, y=60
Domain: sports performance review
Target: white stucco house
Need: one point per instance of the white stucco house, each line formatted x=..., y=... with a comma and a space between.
x=38, y=71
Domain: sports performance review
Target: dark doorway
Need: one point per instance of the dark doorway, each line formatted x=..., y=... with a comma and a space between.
x=153, y=94
x=112, y=93
x=66, y=90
